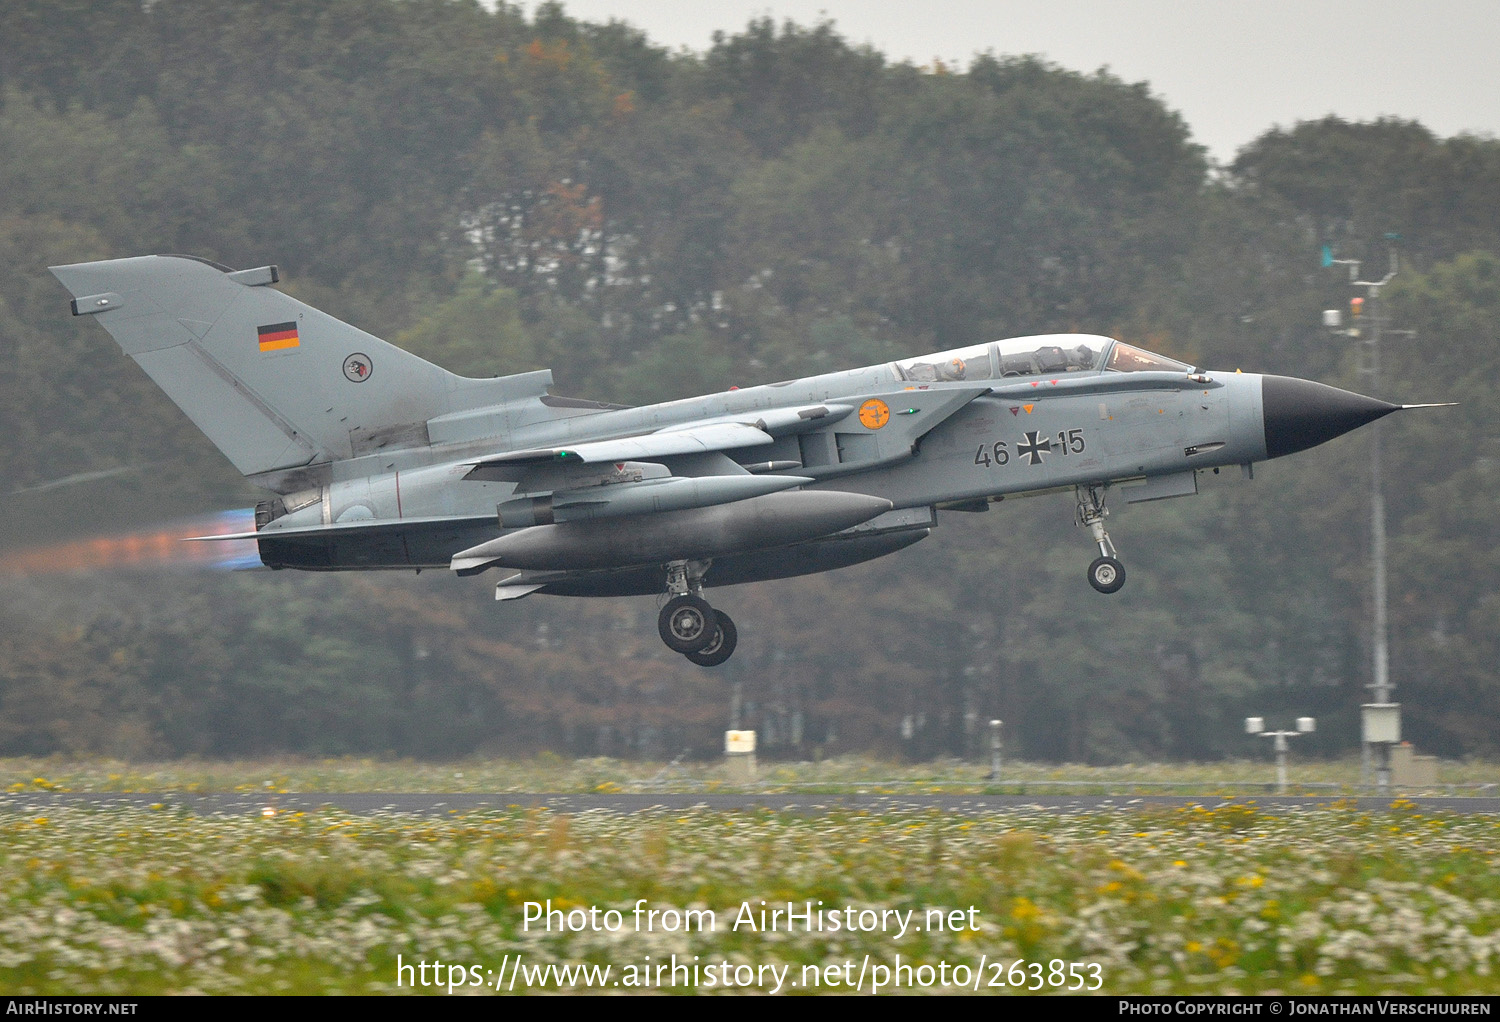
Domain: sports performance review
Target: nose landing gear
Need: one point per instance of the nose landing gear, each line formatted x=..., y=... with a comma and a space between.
x=688, y=625
x=1106, y=573
x=721, y=647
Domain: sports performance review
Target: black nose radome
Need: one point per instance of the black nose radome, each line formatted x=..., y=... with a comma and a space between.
x=1299, y=414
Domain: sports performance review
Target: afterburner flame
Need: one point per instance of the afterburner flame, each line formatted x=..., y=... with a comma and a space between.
x=160, y=546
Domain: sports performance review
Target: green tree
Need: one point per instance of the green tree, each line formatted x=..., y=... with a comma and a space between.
x=1445, y=644
x=477, y=332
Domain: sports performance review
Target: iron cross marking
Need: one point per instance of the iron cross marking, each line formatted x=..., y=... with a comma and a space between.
x=1034, y=448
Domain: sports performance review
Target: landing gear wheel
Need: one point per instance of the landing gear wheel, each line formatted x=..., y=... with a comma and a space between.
x=687, y=624
x=1106, y=574
x=721, y=646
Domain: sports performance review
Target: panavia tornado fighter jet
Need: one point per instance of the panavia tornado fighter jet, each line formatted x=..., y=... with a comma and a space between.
x=380, y=460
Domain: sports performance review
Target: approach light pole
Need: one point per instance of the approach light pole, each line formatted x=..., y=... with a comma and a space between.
x=1381, y=717
x=1257, y=726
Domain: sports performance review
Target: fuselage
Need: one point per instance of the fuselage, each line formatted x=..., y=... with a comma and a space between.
x=1008, y=434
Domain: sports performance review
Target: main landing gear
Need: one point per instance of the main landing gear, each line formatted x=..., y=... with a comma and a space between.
x=1106, y=573
x=688, y=625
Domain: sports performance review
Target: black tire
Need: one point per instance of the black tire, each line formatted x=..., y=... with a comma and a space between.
x=1106, y=574
x=721, y=647
x=686, y=624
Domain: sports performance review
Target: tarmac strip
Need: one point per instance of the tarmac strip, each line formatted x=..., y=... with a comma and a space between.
x=440, y=803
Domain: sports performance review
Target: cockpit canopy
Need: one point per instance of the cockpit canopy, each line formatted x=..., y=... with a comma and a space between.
x=1046, y=355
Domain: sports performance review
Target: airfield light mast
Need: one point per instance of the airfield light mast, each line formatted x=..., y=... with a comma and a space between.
x=1381, y=719
x=1257, y=726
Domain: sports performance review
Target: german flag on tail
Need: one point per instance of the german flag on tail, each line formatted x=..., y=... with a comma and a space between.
x=278, y=336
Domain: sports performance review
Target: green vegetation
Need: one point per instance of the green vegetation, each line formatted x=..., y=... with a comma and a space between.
x=503, y=191
x=551, y=773
x=1228, y=900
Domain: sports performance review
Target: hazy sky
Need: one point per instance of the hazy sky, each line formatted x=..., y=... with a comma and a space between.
x=1232, y=68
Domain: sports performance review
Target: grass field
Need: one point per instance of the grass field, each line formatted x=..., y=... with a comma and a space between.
x=554, y=774
x=1233, y=899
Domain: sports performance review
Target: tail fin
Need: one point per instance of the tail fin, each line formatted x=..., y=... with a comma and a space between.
x=275, y=384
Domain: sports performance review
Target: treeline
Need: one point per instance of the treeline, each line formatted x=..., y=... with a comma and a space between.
x=500, y=192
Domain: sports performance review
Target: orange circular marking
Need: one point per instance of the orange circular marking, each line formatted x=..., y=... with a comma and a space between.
x=874, y=413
